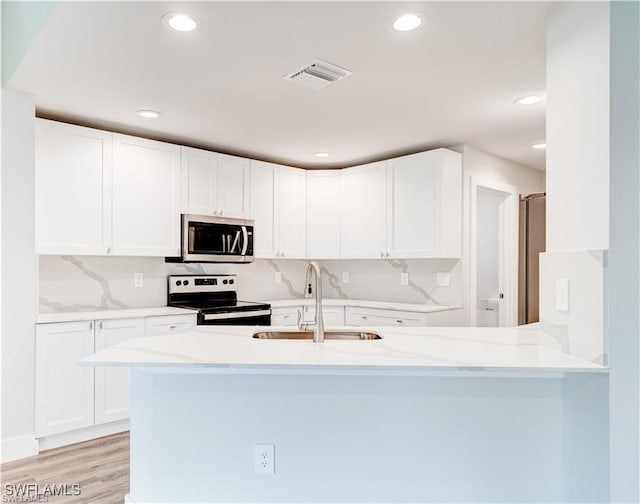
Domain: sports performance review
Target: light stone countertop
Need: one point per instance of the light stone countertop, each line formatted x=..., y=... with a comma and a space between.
x=415, y=350
x=47, y=318
x=362, y=303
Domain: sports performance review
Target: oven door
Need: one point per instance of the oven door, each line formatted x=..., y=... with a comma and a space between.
x=241, y=318
x=216, y=239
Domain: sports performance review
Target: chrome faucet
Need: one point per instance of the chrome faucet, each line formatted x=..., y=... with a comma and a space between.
x=318, y=329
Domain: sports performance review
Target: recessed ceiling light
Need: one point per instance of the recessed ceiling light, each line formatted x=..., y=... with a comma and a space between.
x=149, y=114
x=322, y=154
x=539, y=146
x=528, y=100
x=407, y=22
x=180, y=21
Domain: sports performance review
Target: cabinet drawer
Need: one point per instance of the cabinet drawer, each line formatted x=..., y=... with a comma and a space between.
x=332, y=315
x=169, y=324
x=285, y=316
x=380, y=317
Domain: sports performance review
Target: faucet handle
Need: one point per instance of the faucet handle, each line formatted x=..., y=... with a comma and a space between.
x=299, y=323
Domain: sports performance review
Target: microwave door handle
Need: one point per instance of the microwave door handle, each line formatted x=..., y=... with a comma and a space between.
x=224, y=243
x=235, y=242
x=245, y=241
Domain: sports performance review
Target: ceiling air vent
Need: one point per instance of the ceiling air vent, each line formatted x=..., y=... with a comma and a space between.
x=318, y=74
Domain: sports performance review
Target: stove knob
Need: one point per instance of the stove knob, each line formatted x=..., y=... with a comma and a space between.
x=179, y=282
x=231, y=281
x=186, y=282
x=224, y=282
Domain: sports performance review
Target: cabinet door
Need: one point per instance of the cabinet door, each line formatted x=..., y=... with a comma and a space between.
x=199, y=174
x=324, y=214
x=64, y=389
x=112, y=383
x=263, y=187
x=169, y=324
x=72, y=189
x=414, y=205
x=146, y=195
x=290, y=213
x=364, y=220
x=233, y=186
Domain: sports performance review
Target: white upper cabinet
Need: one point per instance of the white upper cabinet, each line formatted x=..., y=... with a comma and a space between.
x=233, y=186
x=73, y=198
x=146, y=197
x=278, y=208
x=290, y=210
x=425, y=205
x=214, y=184
x=324, y=214
x=263, y=191
x=364, y=218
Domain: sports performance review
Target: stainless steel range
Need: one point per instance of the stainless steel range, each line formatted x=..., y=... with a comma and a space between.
x=216, y=299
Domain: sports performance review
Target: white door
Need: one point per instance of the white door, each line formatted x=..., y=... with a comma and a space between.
x=414, y=205
x=233, y=186
x=324, y=214
x=290, y=211
x=72, y=189
x=112, y=383
x=146, y=197
x=263, y=187
x=199, y=174
x=64, y=389
x=364, y=219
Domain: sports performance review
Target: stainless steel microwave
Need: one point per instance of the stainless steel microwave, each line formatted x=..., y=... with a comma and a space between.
x=215, y=239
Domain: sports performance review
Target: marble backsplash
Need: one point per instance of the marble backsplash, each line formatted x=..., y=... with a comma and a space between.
x=75, y=283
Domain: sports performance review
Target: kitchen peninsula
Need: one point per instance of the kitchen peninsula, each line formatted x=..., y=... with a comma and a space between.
x=423, y=414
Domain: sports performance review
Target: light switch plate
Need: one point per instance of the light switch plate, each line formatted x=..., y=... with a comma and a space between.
x=278, y=278
x=443, y=279
x=562, y=294
x=404, y=278
x=345, y=277
x=138, y=280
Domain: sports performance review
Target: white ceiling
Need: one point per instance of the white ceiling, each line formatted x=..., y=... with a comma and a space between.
x=450, y=82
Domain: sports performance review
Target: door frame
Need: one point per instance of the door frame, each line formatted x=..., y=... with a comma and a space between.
x=508, y=312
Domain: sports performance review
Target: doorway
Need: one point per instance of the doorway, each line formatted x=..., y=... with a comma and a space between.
x=494, y=245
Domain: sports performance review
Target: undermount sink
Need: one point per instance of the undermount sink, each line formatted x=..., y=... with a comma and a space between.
x=308, y=335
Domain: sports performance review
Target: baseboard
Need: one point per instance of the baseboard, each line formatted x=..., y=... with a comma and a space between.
x=80, y=435
x=18, y=447
x=129, y=500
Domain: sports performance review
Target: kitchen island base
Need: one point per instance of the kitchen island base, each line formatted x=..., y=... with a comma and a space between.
x=341, y=438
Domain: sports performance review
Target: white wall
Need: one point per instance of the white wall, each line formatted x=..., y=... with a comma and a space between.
x=578, y=126
x=19, y=280
x=623, y=272
x=486, y=167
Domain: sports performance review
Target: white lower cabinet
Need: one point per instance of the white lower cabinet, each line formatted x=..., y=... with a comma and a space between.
x=70, y=396
x=285, y=316
x=64, y=389
x=332, y=316
x=112, y=383
x=379, y=317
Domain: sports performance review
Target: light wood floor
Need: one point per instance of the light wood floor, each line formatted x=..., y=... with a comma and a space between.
x=99, y=466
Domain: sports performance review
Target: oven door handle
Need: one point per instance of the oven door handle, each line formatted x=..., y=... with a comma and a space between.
x=245, y=241
x=234, y=315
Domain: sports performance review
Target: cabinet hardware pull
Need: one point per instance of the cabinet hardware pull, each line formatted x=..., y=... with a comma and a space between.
x=388, y=254
x=90, y=325
x=364, y=317
x=400, y=321
x=99, y=325
x=173, y=327
x=381, y=254
x=108, y=250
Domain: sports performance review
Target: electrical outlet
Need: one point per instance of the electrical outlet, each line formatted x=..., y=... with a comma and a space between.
x=278, y=277
x=264, y=459
x=138, y=280
x=404, y=278
x=345, y=277
x=562, y=294
x=443, y=279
